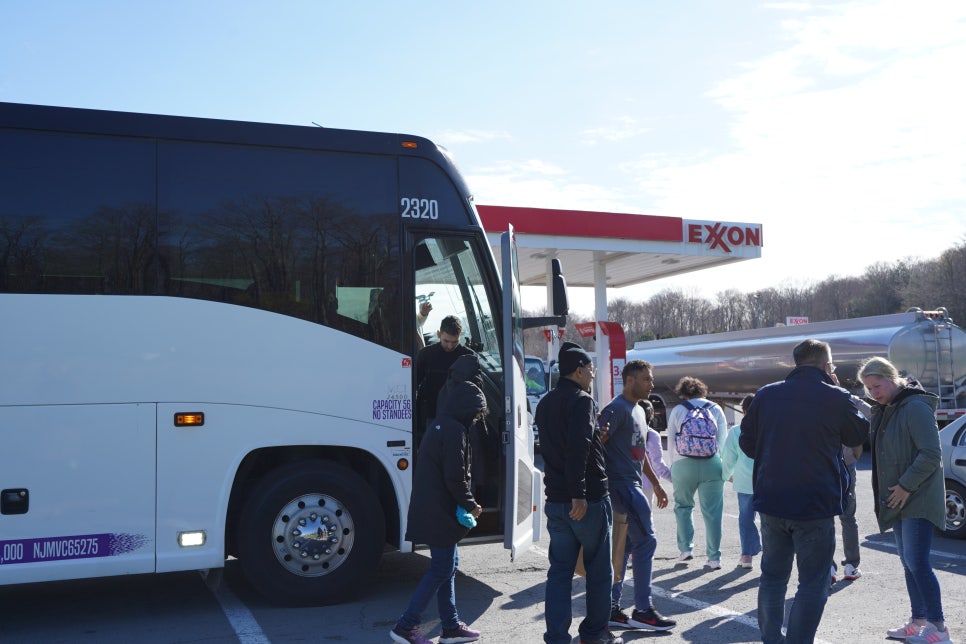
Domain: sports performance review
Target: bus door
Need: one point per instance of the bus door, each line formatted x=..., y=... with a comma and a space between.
x=451, y=273
x=523, y=482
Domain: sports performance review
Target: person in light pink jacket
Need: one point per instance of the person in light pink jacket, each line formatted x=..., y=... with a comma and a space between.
x=655, y=452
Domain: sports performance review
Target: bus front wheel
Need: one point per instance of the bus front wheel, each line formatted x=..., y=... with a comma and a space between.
x=311, y=534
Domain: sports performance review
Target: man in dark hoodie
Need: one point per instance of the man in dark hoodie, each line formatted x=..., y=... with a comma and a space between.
x=441, y=482
x=578, y=506
x=794, y=431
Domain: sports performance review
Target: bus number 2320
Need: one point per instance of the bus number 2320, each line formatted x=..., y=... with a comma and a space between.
x=419, y=208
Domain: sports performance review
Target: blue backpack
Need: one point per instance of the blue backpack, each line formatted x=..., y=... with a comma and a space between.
x=698, y=435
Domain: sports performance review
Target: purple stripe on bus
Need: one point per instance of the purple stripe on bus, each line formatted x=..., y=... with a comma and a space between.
x=21, y=551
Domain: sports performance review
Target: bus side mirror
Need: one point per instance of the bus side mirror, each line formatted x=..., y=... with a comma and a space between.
x=561, y=305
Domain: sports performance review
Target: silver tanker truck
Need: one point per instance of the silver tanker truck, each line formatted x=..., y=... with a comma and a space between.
x=925, y=345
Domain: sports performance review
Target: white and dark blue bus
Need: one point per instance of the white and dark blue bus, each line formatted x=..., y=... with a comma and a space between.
x=207, y=345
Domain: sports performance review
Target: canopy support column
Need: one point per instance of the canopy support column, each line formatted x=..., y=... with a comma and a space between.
x=602, y=384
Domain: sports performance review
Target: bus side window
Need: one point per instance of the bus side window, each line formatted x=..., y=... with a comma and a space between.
x=304, y=233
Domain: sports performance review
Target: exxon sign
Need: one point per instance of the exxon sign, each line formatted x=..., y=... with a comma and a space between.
x=722, y=236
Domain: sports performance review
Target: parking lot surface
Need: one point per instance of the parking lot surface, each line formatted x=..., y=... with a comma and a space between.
x=501, y=598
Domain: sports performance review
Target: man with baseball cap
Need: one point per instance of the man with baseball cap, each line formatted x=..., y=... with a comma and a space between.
x=578, y=506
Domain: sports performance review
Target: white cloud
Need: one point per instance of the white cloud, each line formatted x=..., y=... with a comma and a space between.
x=524, y=168
x=845, y=142
x=509, y=190
x=851, y=134
x=538, y=184
x=624, y=127
x=455, y=137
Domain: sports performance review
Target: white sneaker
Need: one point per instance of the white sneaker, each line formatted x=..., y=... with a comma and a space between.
x=685, y=556
x=852, y=572
x=834, y=569
x=713, y=564
x=929, y=634
x=907, y=630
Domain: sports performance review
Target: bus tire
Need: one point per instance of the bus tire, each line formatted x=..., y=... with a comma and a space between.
x=311, y=533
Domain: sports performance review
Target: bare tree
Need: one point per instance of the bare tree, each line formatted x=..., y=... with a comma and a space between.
x=664, y=312
x=941, y=282
x=883, y=288
x=730, y=312
x=884, y=284
x=834, y=298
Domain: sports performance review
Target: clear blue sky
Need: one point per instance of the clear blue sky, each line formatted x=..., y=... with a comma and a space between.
x=839, y=126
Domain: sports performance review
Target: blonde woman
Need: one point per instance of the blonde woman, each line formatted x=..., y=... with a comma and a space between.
x=907, y=481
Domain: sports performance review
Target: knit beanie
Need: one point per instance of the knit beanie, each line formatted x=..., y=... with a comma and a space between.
x=570, y=357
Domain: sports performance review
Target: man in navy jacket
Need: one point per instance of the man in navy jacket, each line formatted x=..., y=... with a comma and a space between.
x=794, y=431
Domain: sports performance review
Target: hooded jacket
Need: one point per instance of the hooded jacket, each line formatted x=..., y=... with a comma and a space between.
x=432, y=367
x=466, y=368
x=906, y=451
x=794, y=431
x=442, y=475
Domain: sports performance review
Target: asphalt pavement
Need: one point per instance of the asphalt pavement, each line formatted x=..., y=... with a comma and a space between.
x=501, y=598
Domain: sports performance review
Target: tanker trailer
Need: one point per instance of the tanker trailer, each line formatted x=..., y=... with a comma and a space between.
x=925, y=345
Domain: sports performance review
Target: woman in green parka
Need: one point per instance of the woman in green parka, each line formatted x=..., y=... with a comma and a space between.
x=907, y=481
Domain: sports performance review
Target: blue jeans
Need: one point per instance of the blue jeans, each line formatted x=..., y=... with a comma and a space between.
x=566, y=538
x=631, y=500
x=850, y=528
x=701, y=475
x=811, y=544
x=913, y=541
x=747, y=530
x=439, y=581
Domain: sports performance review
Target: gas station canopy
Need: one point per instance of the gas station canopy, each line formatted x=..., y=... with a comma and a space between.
x=633, y=248
x=612, y=250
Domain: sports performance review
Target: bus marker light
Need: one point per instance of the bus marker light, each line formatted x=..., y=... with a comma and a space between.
x=191, y=539
x=189, y=419
x=410, y=145
x=403, y=464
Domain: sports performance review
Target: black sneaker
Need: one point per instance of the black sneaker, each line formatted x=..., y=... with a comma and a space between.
x=462, y=633
x=650, y=620
x=407, y=635
x=606, y=639
x=619, y=619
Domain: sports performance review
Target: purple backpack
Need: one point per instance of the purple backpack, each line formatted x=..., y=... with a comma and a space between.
x=698, y=435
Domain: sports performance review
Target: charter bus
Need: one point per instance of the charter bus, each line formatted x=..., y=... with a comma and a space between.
x=207, y=340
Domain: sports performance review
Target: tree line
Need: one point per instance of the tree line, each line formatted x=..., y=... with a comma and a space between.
x=884, y=288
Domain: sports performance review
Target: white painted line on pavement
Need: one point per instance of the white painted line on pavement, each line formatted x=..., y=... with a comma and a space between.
x=241, y=619
x=714, y=609
x=935, y=553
